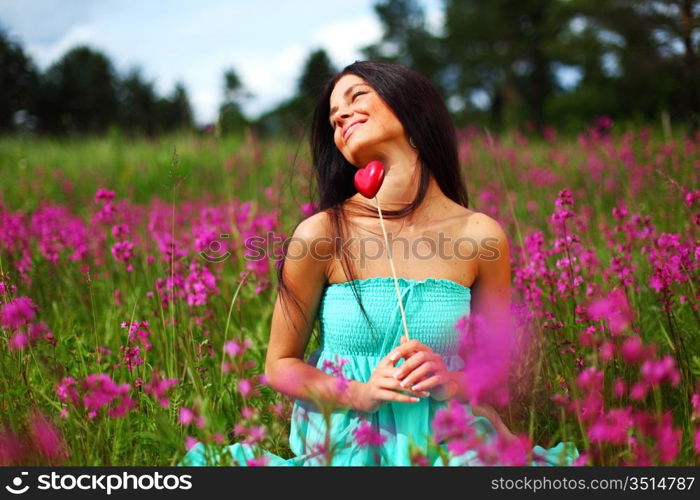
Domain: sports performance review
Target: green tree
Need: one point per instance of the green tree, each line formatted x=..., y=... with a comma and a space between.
x=656, y=54
x=231, y=116
x=504, y=48
x=182, y=117
x=137, y=104
x=293, y=115
x=317, y=70
x=19, y=82
x=174, y=112
x=79, y=93
x=407, y=40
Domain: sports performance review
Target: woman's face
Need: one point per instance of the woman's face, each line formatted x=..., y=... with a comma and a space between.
x=363, y=125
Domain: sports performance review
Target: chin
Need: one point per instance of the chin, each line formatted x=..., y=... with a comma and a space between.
x=361, y=152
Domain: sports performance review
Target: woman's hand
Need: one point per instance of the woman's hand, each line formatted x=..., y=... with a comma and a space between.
x=380, y=388
x=423, y=370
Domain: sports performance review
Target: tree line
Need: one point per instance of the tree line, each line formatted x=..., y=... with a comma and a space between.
x=501, y=63
x=82, y=93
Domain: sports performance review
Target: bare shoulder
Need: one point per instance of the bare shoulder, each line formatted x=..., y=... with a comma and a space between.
x=484, y=238
x=477, y=226
x=314, y=226
x=493, y=248
x=483, y=227
x=312, y=236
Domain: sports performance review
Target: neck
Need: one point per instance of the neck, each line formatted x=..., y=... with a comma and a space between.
x=401, y=183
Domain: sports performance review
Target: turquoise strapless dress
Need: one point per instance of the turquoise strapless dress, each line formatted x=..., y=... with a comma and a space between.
x=432, y=308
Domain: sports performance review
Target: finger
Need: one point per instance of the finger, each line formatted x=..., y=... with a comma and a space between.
x=387, y=395
x=406, y=348
x=430, y=383
x=394, y=385
x=388, y=361
x=411, y=364
x=423, y=371
x=384, y=362
x=385, y=371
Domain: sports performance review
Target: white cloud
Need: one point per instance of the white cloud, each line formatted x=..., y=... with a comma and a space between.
x=265, y=41
x=272, y=79
x=342, y=40
x=46, y=54
x=435, y=19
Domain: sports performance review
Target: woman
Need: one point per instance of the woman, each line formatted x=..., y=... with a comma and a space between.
x=368, y=395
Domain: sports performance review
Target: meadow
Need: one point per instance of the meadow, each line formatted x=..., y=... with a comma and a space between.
x=130, y=329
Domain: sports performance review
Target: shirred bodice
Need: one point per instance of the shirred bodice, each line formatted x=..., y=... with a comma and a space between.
x=432, y=308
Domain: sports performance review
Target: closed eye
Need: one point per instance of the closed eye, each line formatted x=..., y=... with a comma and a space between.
x=354, y=96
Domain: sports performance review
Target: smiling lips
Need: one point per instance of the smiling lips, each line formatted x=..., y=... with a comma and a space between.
x=352, y=128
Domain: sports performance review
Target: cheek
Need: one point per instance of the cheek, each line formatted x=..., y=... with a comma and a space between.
x=337, y=139
x=390, y=127
x=387, y=122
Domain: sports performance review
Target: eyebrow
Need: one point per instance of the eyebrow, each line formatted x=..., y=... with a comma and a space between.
x=335, y=108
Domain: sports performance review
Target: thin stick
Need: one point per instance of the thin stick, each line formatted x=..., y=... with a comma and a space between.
x=393, y=271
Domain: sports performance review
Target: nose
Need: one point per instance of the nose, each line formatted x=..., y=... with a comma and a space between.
x=344, y=115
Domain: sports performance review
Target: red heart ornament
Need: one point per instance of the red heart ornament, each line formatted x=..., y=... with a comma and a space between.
x=368, y=180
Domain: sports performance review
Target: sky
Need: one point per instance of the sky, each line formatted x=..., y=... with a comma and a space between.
x=194, y=42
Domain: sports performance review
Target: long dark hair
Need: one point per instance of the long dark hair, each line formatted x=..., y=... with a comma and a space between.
x=421, y=110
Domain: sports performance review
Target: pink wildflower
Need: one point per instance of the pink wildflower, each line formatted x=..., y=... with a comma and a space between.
x=487, y=352
x=639, y=391
x=188, y=416
x=47, y=439
x=366, y=435
x=190, y=442
x=131, y=356
x=200, y=284
x=245, y=387
x=101, y=391
x=104, y=195
x=633, y=350
x=66, y=391
x=612, y=427
x=308, y=209
x=123, y=251
x=159, y=387
x=335, y=368
x=11, y=449
x=451, y=422
x=615, y=309
x=17, y=342
x=234, y=348
x=654, y=372
x=255, y=434
x=260, y=461
x=17, y=313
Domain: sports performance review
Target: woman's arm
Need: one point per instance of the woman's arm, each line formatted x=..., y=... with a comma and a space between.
x=304, y=270
x=304, y=273
x=490, y=292
x=490, y=295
